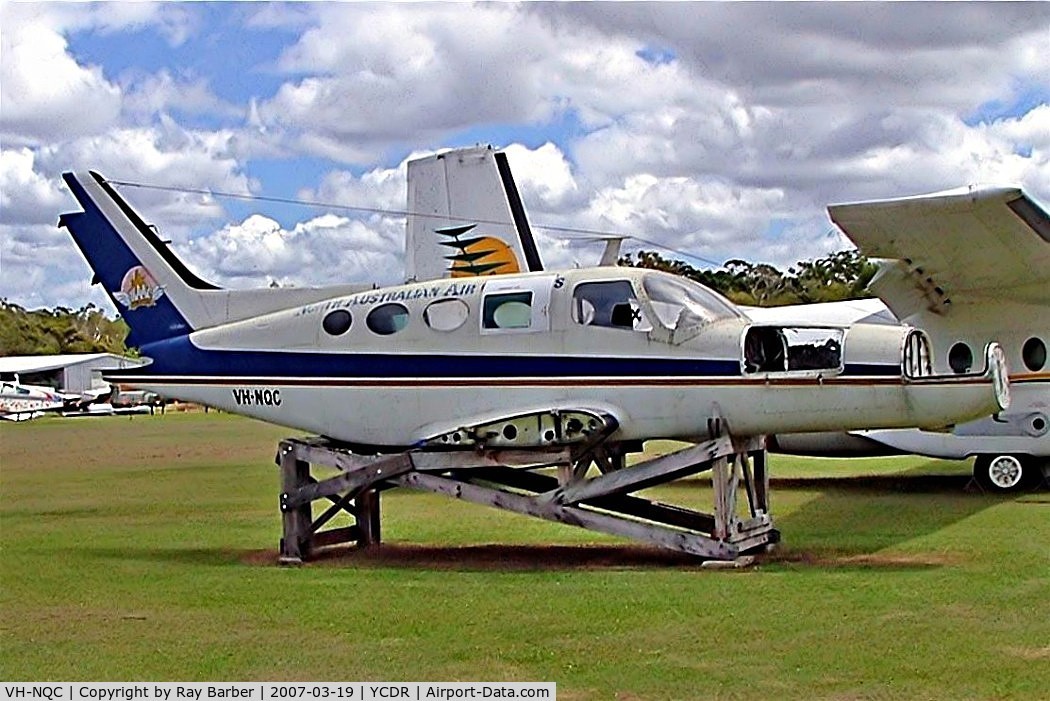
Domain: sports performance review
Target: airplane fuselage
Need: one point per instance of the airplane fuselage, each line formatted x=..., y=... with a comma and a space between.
x=667, y=358
x=18, y=401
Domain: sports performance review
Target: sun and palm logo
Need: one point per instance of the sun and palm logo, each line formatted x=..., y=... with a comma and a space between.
x=477, y=255
x=138, y=289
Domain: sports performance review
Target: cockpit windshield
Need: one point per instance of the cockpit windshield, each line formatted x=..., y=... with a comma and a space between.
x=676, y=300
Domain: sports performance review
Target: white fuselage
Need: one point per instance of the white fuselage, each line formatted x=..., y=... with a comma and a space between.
x=1024, y=429
x=19, y=401
x=398, y=366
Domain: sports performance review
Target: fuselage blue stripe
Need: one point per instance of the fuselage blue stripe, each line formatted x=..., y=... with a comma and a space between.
x=180, y=357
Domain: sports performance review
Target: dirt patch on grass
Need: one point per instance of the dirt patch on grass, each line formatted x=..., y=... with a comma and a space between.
x=517, y=558
x=853, y=560
x=1030, y=653
x=494, y=557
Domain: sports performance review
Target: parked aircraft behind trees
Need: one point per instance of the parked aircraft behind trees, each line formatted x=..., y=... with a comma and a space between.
x=522, y=360
x=19, y=402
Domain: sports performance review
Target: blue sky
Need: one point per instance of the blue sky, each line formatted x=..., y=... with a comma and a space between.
x=720, y=129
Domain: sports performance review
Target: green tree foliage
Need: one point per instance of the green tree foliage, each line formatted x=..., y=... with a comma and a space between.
x=60, y=330
x=838, y=276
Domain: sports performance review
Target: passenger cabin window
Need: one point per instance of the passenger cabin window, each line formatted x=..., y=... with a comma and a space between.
x=1033, y=353
x=337, y=323
x=446, y=314
x=960, y=358
x=516, y=305
x=387, y=319
x=609, y=304
x=507, y=310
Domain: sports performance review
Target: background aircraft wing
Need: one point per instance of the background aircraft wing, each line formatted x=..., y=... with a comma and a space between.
x=29, y=364
x=842, y=313
x=966, y=246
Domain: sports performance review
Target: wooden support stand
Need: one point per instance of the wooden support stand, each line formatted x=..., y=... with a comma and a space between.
x=513, y=480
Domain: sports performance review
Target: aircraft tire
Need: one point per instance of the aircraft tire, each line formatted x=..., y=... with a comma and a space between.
x=1004, y=473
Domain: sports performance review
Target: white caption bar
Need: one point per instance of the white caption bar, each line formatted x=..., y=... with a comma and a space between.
x=275, y=691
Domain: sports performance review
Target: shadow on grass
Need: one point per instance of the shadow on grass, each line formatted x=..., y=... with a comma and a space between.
x=547, y=558
x=902, y=483
x=504, y=558
x=858, y=517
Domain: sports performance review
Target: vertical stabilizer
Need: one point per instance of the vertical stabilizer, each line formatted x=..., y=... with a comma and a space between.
x=156, y=294
x=466, y=217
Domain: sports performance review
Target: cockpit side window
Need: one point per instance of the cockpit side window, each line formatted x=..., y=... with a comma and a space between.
x=679, y=303
x=610, y=304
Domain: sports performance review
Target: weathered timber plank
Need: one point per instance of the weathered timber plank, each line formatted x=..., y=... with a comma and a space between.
x=367, y=510
x=319, y=454
x=662, y=536
x=351, y=482
x=295, y=521
x=335, y=536
x=338, y=505
x=684, y=462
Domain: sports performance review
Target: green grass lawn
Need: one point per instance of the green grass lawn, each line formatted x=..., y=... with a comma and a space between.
x=144, y=549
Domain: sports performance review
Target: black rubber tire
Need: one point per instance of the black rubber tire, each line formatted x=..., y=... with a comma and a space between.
x=1003, y=473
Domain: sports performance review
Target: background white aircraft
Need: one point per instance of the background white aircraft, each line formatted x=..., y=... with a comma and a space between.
x=78, y=375
x=19, y=402
x=966, y=266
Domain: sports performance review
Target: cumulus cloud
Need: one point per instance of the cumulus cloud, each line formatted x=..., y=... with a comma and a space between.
x=163, y=92
x=328, y=249
x=168, y=156
x=376, y=75
x=721, y=129
x=544, y=176
x=46, y=94
x=28, y=197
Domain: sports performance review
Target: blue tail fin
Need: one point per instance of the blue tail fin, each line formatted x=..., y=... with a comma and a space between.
x=153, y=289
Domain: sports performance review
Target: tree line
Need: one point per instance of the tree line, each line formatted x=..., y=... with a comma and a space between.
x=838, y=276
x=59, y=330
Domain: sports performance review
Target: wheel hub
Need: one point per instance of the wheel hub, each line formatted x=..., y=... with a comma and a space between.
x=1005, y=471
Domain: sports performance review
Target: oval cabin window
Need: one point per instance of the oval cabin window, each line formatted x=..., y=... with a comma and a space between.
x=1033, y=353
x=337, y=323
x=446, y=314
x=387, y=319
x=960, y=358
